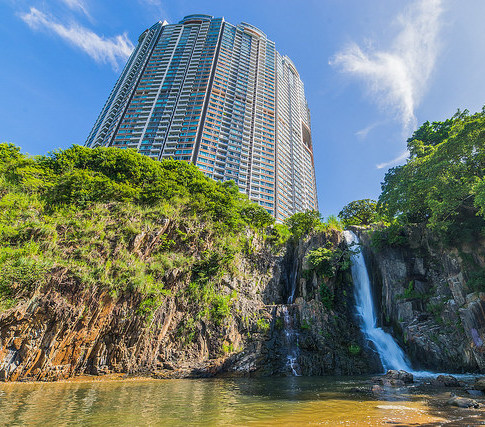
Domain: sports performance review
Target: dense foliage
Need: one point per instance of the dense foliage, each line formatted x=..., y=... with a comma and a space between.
x=442, y=183
x=96, y=214
x=359, y=212
x=301, y=224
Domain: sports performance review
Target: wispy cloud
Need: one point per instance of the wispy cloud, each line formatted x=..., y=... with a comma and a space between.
x=395, y=161
x=157, y=7
x=77, y=5
x=362, y=133
x=396, y=78
x=105, y=50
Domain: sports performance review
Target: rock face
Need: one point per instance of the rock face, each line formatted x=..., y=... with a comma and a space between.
x=424, y=297
x=66, y=329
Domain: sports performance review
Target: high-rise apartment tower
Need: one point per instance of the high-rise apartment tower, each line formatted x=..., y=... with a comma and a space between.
x=220, y=96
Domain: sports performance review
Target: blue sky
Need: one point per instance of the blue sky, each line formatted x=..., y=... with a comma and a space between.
x=373, y=71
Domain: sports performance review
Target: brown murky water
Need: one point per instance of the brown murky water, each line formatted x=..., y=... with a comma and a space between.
x=270, y=401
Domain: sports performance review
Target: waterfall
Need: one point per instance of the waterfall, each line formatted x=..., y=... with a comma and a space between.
x=391, y=355
x=291, y=341
x=292, y=280
x=291, y=335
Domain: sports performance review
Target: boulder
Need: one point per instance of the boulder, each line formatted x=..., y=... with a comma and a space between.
x=404, y=376
x=462, y=402
x=445, y=381
x=479, y=384
x=377, y=389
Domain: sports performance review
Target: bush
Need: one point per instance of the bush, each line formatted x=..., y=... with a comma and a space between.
x=327, y=261
x=326, y=296
x=354, y=349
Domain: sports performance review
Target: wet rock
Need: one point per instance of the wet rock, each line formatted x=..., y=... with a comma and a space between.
x=394, y=379
x=462, y=402
x=479, y=384
x=405, y=377
x=377, y=389
x=475, y=392
x=445, y=381
x=360, y=390
x=423, y=295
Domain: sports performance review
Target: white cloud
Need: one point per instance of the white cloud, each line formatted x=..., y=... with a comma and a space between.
x=105, y=50
x=158, y=8
x=77, y=5
x=362, y=133
x=396, y=78
x=395, y=161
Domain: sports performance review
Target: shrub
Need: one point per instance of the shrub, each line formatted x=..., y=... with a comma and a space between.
x=354, y=349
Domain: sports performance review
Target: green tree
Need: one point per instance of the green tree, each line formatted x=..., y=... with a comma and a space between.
x=359, y=212
x=302, y=223
x=441, y=183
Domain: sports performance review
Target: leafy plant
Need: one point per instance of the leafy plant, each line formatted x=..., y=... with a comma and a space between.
x=354, y=349
x=327, y=261
x=326, y=296
x=263, y=324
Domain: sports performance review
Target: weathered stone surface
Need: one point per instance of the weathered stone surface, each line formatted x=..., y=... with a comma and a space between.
x=377, y=389
x=440, y=324
x=66, y=329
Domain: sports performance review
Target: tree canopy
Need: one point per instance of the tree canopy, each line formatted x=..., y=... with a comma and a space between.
x=359, y=212
x=442, y=183
x=80, y=176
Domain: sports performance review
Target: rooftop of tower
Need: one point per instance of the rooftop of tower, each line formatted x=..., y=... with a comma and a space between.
x=189, y=19
x=197, y=18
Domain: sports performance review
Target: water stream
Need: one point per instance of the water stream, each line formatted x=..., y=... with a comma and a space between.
x=390, y=354
x=291, y=341
x=291, y=334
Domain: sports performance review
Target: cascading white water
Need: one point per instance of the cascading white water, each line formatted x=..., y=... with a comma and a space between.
x=291, y=341
x=292, y=281
x=391, y=355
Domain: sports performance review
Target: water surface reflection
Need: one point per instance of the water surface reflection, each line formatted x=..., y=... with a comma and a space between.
x=268, y=401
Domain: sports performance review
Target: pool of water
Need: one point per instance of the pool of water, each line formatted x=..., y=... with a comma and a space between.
x=265, y=401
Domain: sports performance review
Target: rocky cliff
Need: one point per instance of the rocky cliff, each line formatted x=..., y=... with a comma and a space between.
x=266, y=318
x=429, y=296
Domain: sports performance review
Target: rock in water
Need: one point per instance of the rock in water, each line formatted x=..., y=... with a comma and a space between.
x=405, y=377
x=377, y=389
x=446, y=381
x=475, y=392
x=462, y=402
x=480, y=384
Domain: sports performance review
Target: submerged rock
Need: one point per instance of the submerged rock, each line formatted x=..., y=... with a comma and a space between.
x=475, y=392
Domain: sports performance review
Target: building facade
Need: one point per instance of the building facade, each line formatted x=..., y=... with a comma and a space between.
x=220, y=96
